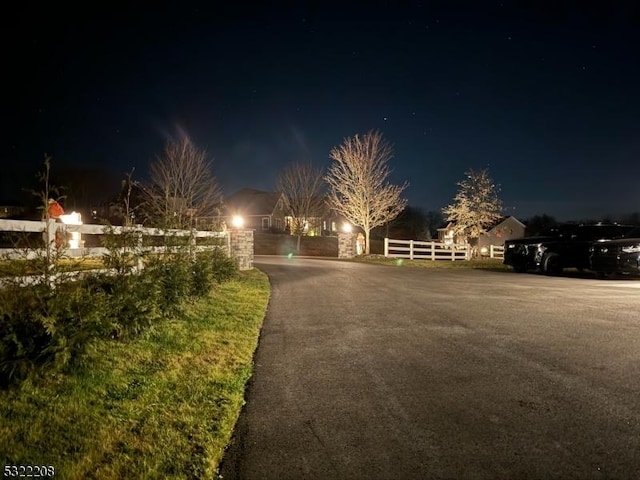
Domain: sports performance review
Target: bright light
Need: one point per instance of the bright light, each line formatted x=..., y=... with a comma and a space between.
x=484, y=251
x=237, y=221
x=346, y=227
x=73, y=218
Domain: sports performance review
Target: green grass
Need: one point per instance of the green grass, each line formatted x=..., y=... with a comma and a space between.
x=31, y=267
x=488, y=263
x=160, y=406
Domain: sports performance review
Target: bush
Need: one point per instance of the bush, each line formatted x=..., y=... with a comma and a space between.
x=50, y=326
x=130, y=303
x=171, y=274
x=224, y=267
x=45, y=327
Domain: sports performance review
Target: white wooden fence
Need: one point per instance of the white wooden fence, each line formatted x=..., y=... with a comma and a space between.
x=27, y=226
x=413, y=249
x=496, y=251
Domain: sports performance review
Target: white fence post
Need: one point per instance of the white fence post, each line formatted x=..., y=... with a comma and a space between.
x=433, y=250
x=410, y=249
x=386, y=247
x=139, y=264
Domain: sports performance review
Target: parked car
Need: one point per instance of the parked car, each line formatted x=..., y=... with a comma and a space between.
x=560, y=247
x=617, y=256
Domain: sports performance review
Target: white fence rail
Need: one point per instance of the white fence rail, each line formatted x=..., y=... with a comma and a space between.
x=61, y=231
x=413, y=249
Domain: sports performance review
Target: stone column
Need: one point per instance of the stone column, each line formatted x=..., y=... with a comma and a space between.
x=346, y=245
x=241, y=242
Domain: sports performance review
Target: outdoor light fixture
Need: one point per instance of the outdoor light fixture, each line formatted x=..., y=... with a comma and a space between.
x=346, y=227
x=237, y=221
x=73, y=218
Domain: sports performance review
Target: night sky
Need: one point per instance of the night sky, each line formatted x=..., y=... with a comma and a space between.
x=543, y=93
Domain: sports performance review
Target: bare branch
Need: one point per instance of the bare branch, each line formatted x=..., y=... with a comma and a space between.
x=301, y=185
x=183, y=186
x=358, y=187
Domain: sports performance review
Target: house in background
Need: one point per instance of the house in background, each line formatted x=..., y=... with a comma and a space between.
x=11, y=211
x=261, y=211
x=506, y=229
x=447, y=236
x=265, y=212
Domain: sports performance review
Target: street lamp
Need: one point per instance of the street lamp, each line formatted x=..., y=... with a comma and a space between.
x=237, y=221
x=346, y=227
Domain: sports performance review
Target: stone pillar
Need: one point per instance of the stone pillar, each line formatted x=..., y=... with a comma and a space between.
x=346, y=245
x=241, y=243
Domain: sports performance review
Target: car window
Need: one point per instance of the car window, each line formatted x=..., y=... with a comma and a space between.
x=635, y=233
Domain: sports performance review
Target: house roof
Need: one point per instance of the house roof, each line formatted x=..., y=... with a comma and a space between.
x=249, y=201
x=504, y=219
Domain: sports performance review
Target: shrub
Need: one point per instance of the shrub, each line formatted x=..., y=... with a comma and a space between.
x=210, y=267
x=224, y=267
x=171, y=274
x=46, y=327
x=130, y=303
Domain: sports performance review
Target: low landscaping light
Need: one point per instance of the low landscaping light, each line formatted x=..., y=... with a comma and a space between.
x=237, y=221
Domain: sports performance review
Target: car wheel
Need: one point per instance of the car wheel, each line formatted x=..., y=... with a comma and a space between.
x=552, y=264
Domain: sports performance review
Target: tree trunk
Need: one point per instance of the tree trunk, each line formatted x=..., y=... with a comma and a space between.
x=366, y=240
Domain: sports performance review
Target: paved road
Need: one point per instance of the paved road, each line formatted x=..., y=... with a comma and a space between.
x=378, y=372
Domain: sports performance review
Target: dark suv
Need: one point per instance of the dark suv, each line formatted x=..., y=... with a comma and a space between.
x=562, y=246
x=617, y=256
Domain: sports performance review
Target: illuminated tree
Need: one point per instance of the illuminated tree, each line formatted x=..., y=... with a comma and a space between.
x=358, y=187
x=300, y=185
x=182, y=186
x=476, y=206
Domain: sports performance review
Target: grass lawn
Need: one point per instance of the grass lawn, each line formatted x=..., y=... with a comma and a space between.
x=160, y=406
x=488, y=263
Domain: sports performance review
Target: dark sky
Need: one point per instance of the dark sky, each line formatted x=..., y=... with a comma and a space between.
x=543, y=93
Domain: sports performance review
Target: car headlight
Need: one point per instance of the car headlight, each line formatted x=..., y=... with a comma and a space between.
x=542, y=248
x=631, y=248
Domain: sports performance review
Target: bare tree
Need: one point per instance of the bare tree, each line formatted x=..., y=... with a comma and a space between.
x=301, y=185
x=358, y=187
x=183, y=185
x=476, y=206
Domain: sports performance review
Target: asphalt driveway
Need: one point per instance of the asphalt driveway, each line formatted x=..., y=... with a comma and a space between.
x=377, y=372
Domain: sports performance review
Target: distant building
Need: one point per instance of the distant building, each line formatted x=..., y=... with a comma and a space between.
x=261, y=211
x=505, y=229
x=11, y=211
x=265, y=212
x=448, y=236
